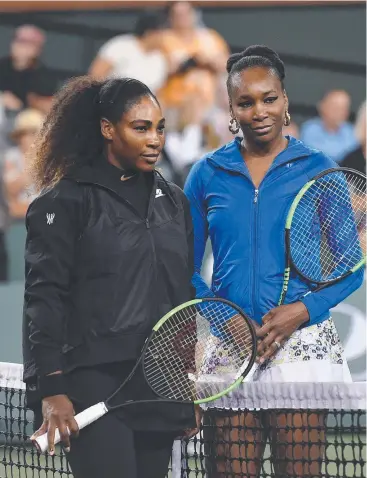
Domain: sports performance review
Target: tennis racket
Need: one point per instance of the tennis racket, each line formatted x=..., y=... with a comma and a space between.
x=325, y=232
x=196, y=353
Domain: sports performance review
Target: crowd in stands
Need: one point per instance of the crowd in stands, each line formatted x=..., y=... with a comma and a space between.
x=183, y=62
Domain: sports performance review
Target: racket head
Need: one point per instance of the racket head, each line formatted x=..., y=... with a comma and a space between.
x=199, y=351
x=326, y=226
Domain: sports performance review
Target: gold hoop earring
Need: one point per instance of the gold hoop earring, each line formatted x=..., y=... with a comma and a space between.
x=233, y=126
x=287, y=119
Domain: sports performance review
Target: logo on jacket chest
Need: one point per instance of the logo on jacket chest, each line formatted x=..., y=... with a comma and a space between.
x=159, y=193
x=50, y=218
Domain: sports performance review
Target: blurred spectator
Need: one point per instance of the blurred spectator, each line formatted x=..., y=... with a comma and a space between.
x=3, y=226
x=27, y=125
x=291, y=130
x=331, y=133
x=135, y=56
x=356, y=159
x=24, y=80
x=196, y=131
x=6, y=124
x=196, y=56
x=216, y=120
x=166, y=168
x=7, y=117
x=185, y=143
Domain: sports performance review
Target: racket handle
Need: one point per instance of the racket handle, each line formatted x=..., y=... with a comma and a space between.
x=84, y=418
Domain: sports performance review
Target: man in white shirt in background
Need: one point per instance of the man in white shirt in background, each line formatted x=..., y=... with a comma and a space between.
x=135, y=55
x=331, y=132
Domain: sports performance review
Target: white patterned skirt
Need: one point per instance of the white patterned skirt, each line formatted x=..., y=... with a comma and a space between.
x=312, y=354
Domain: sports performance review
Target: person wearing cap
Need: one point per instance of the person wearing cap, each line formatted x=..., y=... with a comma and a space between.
x=134, y=55
x=24, y=81
x=16, y=185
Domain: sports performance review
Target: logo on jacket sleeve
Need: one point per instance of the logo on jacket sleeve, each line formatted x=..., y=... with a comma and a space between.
x=159, y=193
x=50, y=218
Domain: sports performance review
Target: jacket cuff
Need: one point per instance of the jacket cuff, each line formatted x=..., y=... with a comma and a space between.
x=47, y=360
x=50, y=385
x=312, y=304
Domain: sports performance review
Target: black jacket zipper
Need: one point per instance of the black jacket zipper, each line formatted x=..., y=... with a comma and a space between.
x=147, y=224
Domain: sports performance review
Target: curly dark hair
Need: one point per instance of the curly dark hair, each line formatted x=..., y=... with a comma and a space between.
x=71, y=134
x=255, y=55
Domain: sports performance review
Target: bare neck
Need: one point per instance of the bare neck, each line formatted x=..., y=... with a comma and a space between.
x=111, y=158
x=256, y=150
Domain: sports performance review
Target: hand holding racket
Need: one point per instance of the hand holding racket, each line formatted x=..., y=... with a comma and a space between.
x=325, y=242
x=175, y=360
x=278, y=325
x=58, y=413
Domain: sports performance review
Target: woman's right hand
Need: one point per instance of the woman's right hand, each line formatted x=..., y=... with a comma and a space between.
x=191, y=432
x=58, y=412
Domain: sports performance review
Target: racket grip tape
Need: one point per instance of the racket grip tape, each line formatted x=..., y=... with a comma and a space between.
x=84, y=418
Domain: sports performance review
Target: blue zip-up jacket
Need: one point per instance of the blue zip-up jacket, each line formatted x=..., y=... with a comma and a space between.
x=246, y=229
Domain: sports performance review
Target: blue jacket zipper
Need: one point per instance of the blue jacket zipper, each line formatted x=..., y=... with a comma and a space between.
x=255, y=222
x=254, y=269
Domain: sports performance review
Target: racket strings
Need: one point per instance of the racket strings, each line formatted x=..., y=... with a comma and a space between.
x=327, y=241
x=327, y=235
x=198, y=351
x=165, y=365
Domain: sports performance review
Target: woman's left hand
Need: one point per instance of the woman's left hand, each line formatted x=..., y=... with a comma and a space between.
x=278, y=325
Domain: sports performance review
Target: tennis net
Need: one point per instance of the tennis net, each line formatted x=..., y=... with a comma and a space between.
x=315, y=429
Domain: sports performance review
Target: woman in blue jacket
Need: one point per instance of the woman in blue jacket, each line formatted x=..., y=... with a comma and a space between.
x=240, y=195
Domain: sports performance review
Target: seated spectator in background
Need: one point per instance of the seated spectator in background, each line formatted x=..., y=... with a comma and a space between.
x=191, y=131
x=291, y=130
x=196, y=55
x=185, y=143
x=3, y=227
x=7, y=117
x=216, y=119
x=134, y=56
x=331, y=132
x=356, y=159
x=24, y=81
x=16, y=184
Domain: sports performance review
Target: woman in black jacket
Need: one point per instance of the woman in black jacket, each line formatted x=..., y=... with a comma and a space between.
x=109, y=251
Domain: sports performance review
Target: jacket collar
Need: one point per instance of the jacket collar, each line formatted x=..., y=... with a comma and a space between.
x=229, y=157
x=101, y=177
x=98, y=174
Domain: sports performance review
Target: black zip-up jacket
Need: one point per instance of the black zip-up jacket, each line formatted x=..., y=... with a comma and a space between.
x=98, y=275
